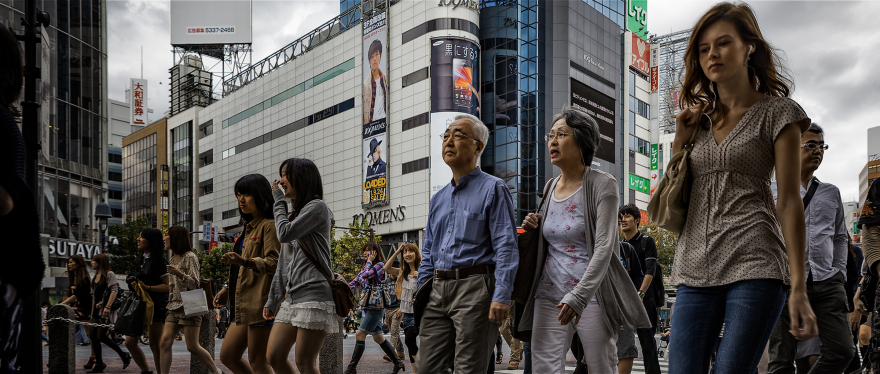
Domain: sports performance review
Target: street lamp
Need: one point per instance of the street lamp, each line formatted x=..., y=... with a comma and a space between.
x=102, y=213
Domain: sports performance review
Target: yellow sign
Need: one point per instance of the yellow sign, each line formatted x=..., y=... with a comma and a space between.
x=164, y=222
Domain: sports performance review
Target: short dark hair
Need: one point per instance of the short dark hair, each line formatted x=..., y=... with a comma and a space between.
x=45, y=303
x=375, y=46
x=630, y=209
x=179, y=238
x=259, y=188
x=306, y=181
x=815, y=128
x=11, y=74
x=157, y=257
x=586, y=131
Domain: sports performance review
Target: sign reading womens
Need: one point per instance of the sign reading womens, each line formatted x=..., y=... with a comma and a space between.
x=455, y=82
x=375, y=110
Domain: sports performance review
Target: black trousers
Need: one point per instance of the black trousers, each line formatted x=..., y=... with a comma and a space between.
x=646, y=338
x=222, y=327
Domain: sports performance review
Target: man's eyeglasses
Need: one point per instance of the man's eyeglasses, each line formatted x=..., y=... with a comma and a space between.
x=814, y=146
x=457, y=137
x=551, y=136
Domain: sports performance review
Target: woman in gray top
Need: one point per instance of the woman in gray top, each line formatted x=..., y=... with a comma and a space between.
x=308, y=313
x=578, y=275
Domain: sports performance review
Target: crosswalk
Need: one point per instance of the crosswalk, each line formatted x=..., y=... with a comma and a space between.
x=638, y=368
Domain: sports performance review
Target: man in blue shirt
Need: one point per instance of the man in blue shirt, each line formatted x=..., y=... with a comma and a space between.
x=470, y=250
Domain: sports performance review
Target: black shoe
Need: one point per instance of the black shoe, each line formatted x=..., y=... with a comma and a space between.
x=398, y=367
x=126, y=360
x=98, y=368
x=351, y=369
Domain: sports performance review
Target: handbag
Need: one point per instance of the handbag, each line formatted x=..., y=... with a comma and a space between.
x=371, y=297
x=132, y=313
x=194, y=303
x=527, y=243
x=343, y=298
x=668, y=208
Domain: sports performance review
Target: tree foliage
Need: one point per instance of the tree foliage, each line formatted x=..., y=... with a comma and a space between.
x=346, y=249
x=666, y=241
x=211, y=266
x=125, y=257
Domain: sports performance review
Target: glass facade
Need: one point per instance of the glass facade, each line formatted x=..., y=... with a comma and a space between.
x=512, y=35
x=182, y=175
x=139, y=165
x=615, y=10
x=71, y=180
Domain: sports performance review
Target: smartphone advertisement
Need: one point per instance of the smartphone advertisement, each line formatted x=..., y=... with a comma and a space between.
x=455, y=84
x=375, y=108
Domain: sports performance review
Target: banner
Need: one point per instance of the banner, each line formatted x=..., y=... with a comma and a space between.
x=601, y=108
x=455, y=82
x=639, y=184
x=641, y=54
x=655, y=156
x=138, y=102
x=637, y=17
x=375, y=110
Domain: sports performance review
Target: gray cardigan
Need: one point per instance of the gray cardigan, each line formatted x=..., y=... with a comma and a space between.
x=296, y=276
x=605, y=277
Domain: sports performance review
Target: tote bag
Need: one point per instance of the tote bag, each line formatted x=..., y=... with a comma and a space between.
x=194, y=302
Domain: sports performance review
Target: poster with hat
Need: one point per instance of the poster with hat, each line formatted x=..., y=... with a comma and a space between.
x=375, y=118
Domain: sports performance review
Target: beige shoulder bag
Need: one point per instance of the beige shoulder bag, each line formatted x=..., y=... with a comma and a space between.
x=668, y=208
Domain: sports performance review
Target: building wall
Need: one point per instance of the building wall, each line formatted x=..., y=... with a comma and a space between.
x=120, y=126
x=144, y=154
x=874, y=143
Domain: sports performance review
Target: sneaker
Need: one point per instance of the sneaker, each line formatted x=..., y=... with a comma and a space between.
x=513, y=367
x=400, y=353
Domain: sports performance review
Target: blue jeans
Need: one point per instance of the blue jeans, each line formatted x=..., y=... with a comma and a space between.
x=409, y=319
x=81, y=337
x=372, y=322
x=527, y=358
x=748, y=309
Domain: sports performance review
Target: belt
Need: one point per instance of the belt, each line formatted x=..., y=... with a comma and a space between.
x=463, y=273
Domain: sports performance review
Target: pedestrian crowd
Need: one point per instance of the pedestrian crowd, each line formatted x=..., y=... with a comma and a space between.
x=767, y=277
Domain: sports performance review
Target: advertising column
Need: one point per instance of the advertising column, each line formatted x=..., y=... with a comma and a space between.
x=375, y=110
x=455, y=78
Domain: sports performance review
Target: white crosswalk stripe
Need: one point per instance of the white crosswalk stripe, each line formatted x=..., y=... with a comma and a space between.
x=638, y=368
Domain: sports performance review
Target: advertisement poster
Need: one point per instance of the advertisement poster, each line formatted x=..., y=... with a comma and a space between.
x=641, y=55
x=455, y=82
x=375, y=110
x=601, y=107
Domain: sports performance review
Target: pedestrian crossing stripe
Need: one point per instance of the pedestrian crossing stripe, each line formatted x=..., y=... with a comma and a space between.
x=638, y=368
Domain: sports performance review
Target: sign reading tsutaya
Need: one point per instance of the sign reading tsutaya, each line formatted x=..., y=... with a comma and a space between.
x=641, y=55
x=138, y=102
x=64, y=248
x=473, y=5
x=374, y=181
x=637, y=17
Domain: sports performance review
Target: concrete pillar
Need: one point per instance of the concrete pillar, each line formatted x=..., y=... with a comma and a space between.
x=207, y=332
x=330, y=358
x=62, y=350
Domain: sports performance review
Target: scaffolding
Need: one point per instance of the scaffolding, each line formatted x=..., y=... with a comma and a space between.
x=671, y=49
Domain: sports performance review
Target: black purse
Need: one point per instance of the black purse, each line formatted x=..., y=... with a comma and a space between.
x=421, y=298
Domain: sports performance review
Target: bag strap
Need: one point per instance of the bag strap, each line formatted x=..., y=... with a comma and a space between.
x=315, y=263
x=546, y=190
x=811, y=192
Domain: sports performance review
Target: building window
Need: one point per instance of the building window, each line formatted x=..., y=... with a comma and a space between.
x=206, y=187
x=115, y=195
x=114, y=176
x=139, y=171
x=206, y=158
x=639, y=145
x=181, y=175
x=117, y=213
x=232, y=213
x=114, y=159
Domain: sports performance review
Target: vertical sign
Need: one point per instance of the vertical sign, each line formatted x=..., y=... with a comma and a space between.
x=637, y=17
x=206, y=231
x=139, y=102
x=375, y=110
x=163, y=191
x=601, y=108
x=45, y=73
x=455, y=78
x=641, y=54
x=655, y=69
x=655, y=156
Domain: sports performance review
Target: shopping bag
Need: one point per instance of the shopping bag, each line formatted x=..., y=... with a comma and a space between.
x=142, y=295
x=194, y=302
x=130, y=321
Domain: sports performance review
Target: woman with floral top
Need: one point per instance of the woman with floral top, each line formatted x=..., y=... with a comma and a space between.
x=407, y=275
x=370, y=281
x=185, y=276
x=578, y=275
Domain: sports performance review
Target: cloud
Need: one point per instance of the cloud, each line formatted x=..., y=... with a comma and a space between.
x=832, y=60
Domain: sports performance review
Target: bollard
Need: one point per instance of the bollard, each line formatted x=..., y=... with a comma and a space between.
x=206, y=339
x=330, y=358
x=62, y=350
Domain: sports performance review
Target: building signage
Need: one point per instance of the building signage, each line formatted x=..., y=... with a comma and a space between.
x=455, y=82
x=641, y=55
x=138, y=102
x=601, y=107
x=639, y=184
x=374, y=177
x=473, y=5
x=637, y=17
x=206, y=230
x=655, y=156
x=45, y=105
x=380, y=217
x=65, y=248
x=590, y=60
x=655, y=79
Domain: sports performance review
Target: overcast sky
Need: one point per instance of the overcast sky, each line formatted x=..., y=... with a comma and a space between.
x=828, y=44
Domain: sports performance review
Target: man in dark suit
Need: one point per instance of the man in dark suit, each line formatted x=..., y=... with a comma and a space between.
x=376, y=166
x=224, y=321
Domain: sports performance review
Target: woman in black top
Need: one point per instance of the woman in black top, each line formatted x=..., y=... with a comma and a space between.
x=152, y=276
x=104, y=289
x=80, y=295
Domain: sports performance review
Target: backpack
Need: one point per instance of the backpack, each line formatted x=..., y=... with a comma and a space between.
x=657, y=290
x=627, y=254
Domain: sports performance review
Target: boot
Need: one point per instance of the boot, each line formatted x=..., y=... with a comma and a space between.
x=355, y=357
x=390, y=351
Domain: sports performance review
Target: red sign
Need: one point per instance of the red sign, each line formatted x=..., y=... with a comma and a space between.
x=655, y=79
x=641, y=54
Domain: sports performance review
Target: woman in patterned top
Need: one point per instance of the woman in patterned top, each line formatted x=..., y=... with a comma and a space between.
x=738, y=253
x=407, y=275
x=370, y=280
x=185, y=275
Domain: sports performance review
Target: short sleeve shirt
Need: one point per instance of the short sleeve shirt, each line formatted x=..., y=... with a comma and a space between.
x=732, y=232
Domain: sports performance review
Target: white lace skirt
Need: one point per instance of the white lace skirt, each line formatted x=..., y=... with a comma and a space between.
x=312, y=315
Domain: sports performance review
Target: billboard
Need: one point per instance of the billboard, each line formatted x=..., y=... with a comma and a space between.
x=375, y=111
x=138, y=102
x=639, y=184
x=195, y=22
x=641, y=54
x=601, y=107
x=637, y=17
x=455, y=82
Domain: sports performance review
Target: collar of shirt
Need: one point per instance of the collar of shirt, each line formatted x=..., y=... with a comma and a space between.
x=255, y=222
x=462, y=183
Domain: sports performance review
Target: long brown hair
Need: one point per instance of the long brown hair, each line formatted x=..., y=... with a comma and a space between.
x=766, y=70
x=103, y=267
x=405, y=269
x=81, y=272
x=179, y=238
x=372, y=246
